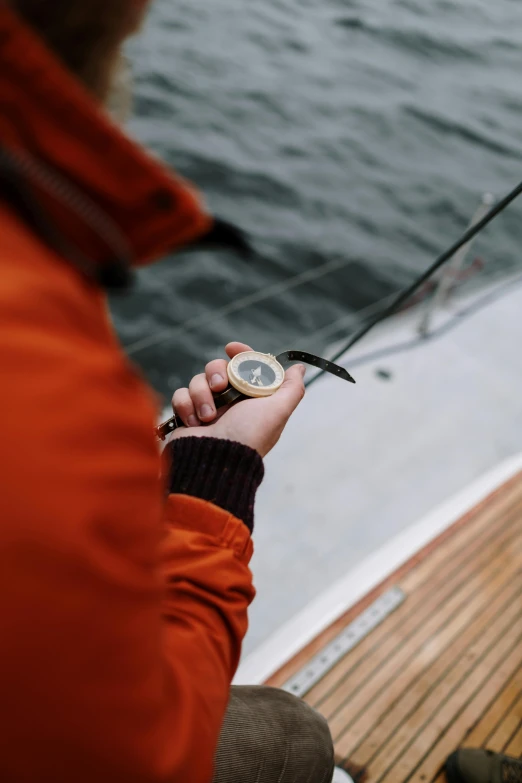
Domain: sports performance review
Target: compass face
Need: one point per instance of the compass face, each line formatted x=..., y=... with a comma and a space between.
x=255, y=374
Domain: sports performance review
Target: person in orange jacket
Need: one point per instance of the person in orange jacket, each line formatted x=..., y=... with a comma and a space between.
x=122, y=613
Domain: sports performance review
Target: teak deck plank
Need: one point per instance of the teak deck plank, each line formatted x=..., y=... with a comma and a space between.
x=432, y=678
x=457, y=541
x=507, y=729
x=514, y=746
x=390, y=681
x=442, y=671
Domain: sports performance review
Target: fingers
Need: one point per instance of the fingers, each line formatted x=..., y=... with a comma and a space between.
x=202, y=398
x=184, y=408
x=216, y=374
x=292, y=391
x=216, y=371
x=233, y=349
x=195, y=404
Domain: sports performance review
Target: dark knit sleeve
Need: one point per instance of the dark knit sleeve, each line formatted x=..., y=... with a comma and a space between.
x=223, y=472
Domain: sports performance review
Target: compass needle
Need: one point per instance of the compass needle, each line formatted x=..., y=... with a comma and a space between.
x=256, y=376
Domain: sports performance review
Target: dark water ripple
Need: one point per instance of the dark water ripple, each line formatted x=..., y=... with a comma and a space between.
x=446, y=127
x=350, y=129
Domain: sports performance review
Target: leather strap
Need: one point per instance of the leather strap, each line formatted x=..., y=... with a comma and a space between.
x=228, y=397
x=315, y=361
x=231, y=395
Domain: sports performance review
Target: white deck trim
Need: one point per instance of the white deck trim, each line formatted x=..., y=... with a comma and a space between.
x=334, y=602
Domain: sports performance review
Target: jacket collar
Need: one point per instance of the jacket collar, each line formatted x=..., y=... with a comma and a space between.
x=51, y=123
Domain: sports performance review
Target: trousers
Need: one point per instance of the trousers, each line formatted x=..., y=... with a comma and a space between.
x=270, y=736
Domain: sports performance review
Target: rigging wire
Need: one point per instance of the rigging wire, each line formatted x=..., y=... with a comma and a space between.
x=455, y=320
x=403, y=296
x=239, y=304
x=325, y=332
x=338, y=324
x=384, y=307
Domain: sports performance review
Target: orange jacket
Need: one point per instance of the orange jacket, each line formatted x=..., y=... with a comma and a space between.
x=121, y=616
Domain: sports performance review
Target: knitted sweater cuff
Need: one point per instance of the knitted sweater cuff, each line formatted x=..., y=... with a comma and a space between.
x=222, y=472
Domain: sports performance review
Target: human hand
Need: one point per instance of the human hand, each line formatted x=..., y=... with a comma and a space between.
x=257, y=423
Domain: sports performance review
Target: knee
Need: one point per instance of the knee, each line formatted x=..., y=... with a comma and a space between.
x=306, y=730
x=269, y=730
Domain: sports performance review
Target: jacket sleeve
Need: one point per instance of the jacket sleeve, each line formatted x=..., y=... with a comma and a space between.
x=122, y=614
x=205, y=552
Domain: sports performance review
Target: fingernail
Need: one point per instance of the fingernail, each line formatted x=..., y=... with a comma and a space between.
x=205, y=412
x=192, y=421
x=216, y=380
x=302, y=369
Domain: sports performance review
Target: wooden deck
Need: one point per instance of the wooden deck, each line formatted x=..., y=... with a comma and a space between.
x=445, y=669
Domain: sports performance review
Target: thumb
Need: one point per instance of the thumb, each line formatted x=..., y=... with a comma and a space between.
x=288, y=397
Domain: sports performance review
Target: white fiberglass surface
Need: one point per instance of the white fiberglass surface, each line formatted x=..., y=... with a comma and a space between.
x=360, y=464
